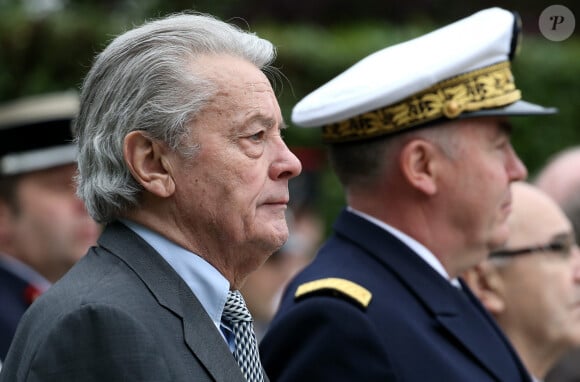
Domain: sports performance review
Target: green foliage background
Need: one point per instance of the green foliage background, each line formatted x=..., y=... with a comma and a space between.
x=53, y=49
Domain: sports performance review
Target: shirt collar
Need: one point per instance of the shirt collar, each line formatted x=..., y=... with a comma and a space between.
x=417, y=247
x=206, y=282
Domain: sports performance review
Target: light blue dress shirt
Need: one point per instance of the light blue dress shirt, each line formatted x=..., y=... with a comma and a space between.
x=206, y=282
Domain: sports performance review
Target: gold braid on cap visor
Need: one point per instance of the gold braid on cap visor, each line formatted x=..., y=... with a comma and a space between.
x=485, y=88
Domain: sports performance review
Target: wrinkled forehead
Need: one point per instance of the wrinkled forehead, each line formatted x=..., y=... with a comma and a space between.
x=243, y=98
x=244, y=88
x=228, y=70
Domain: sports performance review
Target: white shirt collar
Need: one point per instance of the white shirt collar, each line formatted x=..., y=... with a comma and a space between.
x=415, y=246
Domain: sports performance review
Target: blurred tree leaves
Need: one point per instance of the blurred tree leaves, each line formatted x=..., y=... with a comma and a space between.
x=49, y=45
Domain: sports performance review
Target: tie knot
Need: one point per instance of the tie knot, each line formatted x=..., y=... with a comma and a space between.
x=235, y=309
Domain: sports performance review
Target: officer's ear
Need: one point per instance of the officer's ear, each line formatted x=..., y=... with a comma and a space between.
x=150, y=163
x=418, y=163
x=486, y=283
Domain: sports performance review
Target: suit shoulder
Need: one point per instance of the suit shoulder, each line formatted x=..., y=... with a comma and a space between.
x=335, y=287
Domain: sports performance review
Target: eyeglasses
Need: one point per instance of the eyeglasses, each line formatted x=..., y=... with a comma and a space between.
x=561, y=244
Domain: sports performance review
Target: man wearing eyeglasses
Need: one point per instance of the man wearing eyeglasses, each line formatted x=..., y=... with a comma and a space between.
x=532, y=285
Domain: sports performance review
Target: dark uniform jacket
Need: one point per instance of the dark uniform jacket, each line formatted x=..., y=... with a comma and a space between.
x=16, y=295
x=369, y=309
x=121, y=314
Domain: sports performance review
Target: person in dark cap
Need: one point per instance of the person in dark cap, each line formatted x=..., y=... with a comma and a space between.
x=419, y=137
x=44, y=227
x=181, y=157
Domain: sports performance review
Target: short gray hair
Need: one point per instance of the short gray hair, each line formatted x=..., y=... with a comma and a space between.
x=360, y=164
x=143, y=81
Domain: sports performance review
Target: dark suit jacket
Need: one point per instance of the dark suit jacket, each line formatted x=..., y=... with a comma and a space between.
x=14, y=300
x=416, y=328
x=121, y=314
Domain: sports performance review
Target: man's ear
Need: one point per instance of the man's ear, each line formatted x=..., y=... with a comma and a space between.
x=149, y=163
x=486, y=283
x=418, y=165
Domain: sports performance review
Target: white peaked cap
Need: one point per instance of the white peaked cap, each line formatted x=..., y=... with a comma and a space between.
x=457, y=71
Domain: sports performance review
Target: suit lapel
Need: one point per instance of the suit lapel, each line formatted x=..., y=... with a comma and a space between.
x=205, y=343
x=460, y=315
x=487, y=344
x=199, y=331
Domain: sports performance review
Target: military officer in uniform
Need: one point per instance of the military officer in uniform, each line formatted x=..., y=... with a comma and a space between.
x=419, y=137
x=44, y=227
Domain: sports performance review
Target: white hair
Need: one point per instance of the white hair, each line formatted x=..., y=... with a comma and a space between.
x=143, y=80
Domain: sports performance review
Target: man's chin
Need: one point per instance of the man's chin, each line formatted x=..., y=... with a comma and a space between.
x=274, y=241
x=280, y=240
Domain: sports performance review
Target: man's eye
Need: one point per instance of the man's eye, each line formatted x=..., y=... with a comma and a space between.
x=503, y=144
x=257, y=137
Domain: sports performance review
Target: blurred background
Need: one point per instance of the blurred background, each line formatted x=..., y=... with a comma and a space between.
x=49, y=45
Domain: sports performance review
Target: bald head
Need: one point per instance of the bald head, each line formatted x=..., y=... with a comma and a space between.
x=535, y=216
x=560, y=177
x=534, y=294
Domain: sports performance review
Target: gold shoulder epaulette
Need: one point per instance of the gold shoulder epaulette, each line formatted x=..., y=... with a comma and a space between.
x=336, y=286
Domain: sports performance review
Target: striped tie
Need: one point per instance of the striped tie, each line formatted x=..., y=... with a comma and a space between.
x=246, y=352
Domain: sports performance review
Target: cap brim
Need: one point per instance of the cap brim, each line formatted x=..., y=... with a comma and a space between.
x=40, y=159
x=515, y=109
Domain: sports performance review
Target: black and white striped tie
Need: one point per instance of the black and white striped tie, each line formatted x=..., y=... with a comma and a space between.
x=246, y=352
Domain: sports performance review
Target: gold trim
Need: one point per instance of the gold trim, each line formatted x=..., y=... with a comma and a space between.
x=347, y=288
x=489, y=87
